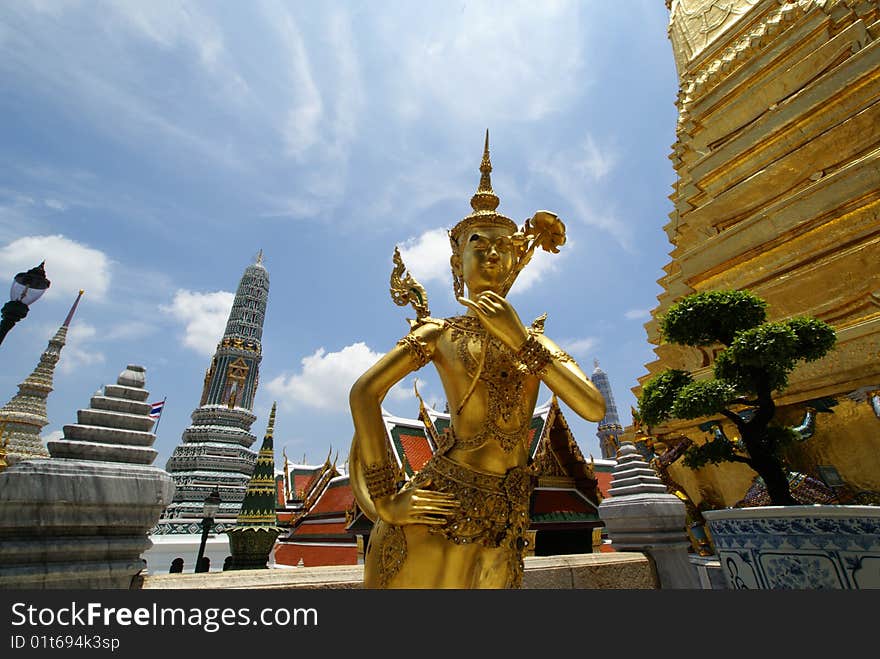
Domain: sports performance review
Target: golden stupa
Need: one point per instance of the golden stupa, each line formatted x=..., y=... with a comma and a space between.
x=777, y=156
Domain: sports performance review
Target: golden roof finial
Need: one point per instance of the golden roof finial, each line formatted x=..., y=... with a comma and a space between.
x=485, y=198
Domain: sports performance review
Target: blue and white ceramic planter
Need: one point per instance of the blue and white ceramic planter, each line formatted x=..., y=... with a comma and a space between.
x=800, y=547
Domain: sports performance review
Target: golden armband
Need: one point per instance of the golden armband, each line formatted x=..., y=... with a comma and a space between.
x=533, y=356
x=381, y=480
x=417, y=349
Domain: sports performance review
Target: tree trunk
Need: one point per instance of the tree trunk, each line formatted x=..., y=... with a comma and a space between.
x=770, y=469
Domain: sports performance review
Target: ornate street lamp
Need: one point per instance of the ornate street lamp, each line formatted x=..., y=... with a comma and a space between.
x=212, y=503
x=27, y=287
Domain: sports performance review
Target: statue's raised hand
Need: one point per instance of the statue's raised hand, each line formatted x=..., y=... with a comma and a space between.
x=417, y=506
x=499, y=318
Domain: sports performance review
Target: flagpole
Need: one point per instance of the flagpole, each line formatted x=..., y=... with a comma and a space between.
x=161, y=412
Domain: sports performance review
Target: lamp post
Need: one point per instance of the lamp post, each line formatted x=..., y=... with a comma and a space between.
x=27, y=287
x=212, y=503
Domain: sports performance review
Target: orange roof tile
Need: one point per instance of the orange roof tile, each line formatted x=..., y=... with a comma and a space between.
x=604, y=483
x=302, y=482
x=418, y=450
x=290, y=553
x=338, y=497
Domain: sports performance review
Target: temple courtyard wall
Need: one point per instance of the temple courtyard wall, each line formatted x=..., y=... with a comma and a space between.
x=620, y=570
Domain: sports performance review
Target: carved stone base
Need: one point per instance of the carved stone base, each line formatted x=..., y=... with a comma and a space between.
x=251, y=546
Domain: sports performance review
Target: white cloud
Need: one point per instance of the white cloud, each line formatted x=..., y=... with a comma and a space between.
x=79, y=349
x=70, y=265
x=427, y=256
x=204, y=316
x=542, y=263
x=637, y=314
x=326, y=378
x=579, y=347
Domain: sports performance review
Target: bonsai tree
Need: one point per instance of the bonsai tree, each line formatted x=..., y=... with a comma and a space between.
x=756, y=360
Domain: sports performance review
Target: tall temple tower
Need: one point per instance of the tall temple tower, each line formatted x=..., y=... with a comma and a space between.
x=609, y=429
x=23, y=417
x=216, y=448
x=777, y=162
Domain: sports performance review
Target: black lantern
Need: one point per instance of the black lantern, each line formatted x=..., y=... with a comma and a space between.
x=212, y=504
x=27, y=288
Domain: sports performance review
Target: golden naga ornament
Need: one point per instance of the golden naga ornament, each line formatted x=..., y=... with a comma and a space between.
x=406, y=290
x=462, y=520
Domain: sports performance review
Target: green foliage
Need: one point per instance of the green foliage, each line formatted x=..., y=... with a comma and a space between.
x=778, y=437
x=714, y=451
x=658, y=395
x=768, y=345
x=765, y=355
x=746, y=379
x=758, y=358
x=702, y=319
x=702, y=399
x=814, y=338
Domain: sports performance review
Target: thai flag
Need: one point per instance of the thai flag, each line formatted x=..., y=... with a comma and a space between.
x=156, y=409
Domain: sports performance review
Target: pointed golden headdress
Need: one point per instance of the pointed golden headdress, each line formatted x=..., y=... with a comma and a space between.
x=484, y=202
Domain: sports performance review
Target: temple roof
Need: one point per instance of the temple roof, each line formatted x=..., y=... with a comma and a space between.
x=336, y=498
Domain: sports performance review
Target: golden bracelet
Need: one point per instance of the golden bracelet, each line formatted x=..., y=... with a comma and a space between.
x=381, y=480
x=533, y=356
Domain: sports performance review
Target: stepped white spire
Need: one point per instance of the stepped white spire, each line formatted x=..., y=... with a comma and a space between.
x=23, y=417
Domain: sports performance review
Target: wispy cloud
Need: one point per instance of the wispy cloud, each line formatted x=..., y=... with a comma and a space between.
x=300, y=127
x=70, y=265
x=581, y=347
x=637, y=314
x=488, y=59
x=80, y=348
x=203, y=315
x=170, y=24
x=573, y=174
x=128, y=330
x=100, y=75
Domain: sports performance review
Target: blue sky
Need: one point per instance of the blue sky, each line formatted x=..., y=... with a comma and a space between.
x=150, y=150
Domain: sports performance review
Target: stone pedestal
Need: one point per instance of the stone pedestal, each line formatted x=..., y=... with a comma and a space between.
x=74, y=524
x=80, y=519
x=641, y=516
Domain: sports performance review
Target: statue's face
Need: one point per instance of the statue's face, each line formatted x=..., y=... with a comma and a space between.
x=487, y=256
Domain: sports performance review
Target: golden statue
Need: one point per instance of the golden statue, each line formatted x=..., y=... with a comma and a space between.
x=461, y=521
